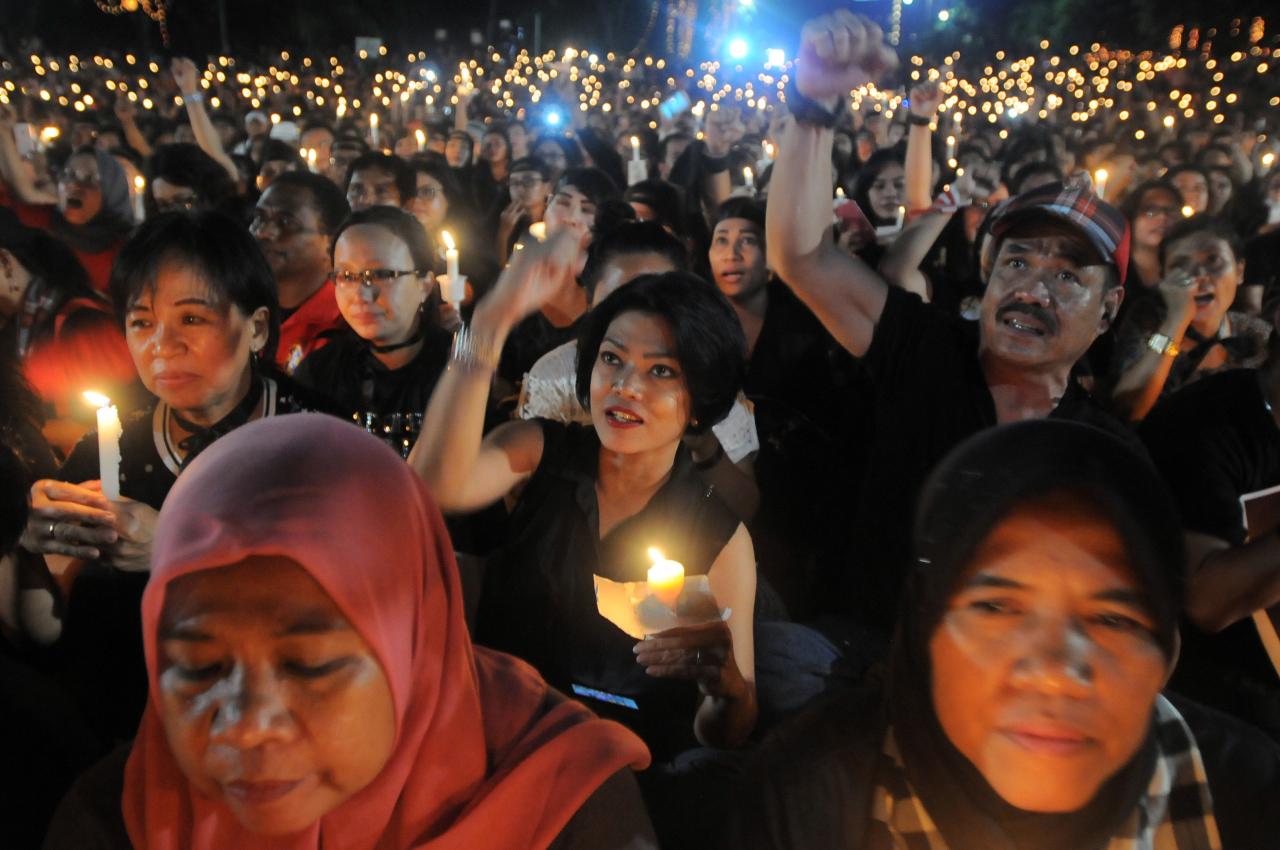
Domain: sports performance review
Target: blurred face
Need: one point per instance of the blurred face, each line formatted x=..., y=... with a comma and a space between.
x=429, y=204
x=1046, y=300
x=1046, y=665
x=866, y=146
x=271, y=169
x=340, y=161
x=553, y=155
x=170, y=197
x=1194, y=188
x=1217, y=274
x=493, y=148
x=287, y=227
x=381, y=307
x=372, y=187
x=272, y=703
x=80, y=189
x=457, y=151
x=83, y=133
x=737, y=258
x=624, y=268
x=318, y=139
x=519, y=137
x=528, y=189
x=1220, y=190
x=571, y=209
x=1157, y=211
x=191, y=346
x=887, y=191
x=639, y=399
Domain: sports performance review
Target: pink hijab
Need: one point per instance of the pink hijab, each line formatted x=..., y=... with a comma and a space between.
x=480, y=760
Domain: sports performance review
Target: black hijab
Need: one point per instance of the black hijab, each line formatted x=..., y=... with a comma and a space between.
x=978, y=485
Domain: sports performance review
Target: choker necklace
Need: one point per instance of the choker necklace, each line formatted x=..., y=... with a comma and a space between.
x=201, y=437
x=396, y=346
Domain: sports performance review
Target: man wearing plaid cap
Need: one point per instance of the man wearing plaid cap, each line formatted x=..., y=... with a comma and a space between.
x=1053, y=271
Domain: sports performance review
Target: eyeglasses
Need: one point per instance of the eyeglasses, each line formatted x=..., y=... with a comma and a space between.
x=285, y=224
x=348, y=280
x=88, y=181
x=429, y=193
x=524, y=182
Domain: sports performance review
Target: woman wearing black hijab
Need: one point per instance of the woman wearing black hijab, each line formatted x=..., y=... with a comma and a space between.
x=1023, y=705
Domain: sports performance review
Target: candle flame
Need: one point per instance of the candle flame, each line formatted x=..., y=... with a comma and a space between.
x=635, y=141
x=96, y=399
x=1188, y=211
x=448, y=241
x=420, y=136
x=1100, y=176
x=139, y=183
x=655, y=554
x=48, y=134
x=1268, y=158
x=373, y=120
x=747, y=176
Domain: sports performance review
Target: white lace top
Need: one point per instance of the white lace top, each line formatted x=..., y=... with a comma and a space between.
x=548, y=393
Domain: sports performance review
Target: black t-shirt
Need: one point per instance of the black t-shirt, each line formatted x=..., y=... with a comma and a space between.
x=1262, y=262
x=930, y=394
x=528, y=341
x=1215, y=441
x=387, y=403
x=101, y=644
x=539, y=598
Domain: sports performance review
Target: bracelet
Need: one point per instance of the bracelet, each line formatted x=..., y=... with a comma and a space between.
x=709, y=462
x=918, y=120
x=807, y=111
x=1162, y=344
x=713, y=164
x=194, y=97
x=469, y=353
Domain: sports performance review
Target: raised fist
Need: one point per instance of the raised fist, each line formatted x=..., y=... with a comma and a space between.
x=838, y=53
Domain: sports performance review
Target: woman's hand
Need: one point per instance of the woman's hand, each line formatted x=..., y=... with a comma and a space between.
x=135, y=524
x=536, y=275
x=75, y=520
x=702, y=653
x=126, y=111
x=184, y=74
x=1177, y=288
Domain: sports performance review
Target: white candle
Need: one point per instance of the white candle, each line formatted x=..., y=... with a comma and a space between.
x=455, y=288
x=666, y=579
x=311, y=160
x=422, y=140
x=108, y=444
x=748, y=179
x=635, y=148
x=951, y=148
x=139, y=193
x=902, y=215
x=1100, y=183
x=373, y=129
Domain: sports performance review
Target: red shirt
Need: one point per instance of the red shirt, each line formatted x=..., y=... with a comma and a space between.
x=97, y=264
x=309, y=327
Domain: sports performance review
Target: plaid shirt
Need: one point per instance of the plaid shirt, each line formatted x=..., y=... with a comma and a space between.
x=1175, y=813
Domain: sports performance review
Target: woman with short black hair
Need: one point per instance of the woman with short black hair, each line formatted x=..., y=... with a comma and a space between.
x=659, y=357
x=198, y=304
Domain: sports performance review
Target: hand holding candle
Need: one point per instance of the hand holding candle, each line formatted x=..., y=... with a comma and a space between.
x=455, y=285
x=109, y=430
x=421, y=138
x=666, y=579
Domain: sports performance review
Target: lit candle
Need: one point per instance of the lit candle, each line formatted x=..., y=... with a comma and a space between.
x=311, y=160
x=455, y=285
x=635, y=148
x=666, y=579
x=538, y=230
x=373, y=129
x=139, y=192
x=1188, y=211
x=902, y=215
x=108, y=444
x=1100, y=183
x=422, y=139
x=951, y=148
x=748, y=179
x=1268, y=159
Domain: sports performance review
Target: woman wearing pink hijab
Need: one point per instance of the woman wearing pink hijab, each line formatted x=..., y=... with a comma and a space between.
x=312, y=683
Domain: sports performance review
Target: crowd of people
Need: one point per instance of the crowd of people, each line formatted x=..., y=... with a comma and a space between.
x=953, y=388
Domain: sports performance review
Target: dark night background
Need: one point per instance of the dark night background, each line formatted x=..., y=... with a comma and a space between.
x=64, y=25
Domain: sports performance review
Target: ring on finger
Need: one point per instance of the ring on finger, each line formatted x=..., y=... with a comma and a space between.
x=52, y=531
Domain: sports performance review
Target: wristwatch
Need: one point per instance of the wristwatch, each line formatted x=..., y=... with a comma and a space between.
x=807, y=111
x=1163, y=344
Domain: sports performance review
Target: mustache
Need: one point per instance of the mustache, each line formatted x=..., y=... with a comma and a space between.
x=1035, y=311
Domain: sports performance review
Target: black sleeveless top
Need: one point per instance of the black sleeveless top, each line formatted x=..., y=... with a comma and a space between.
x=539, y=599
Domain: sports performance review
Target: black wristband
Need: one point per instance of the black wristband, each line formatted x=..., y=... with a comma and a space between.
x=713, y=164
x=918, y=120
x=709, y=462
x=807, y=111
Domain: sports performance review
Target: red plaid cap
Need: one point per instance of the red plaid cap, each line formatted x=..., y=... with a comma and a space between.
x=1102, y=224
